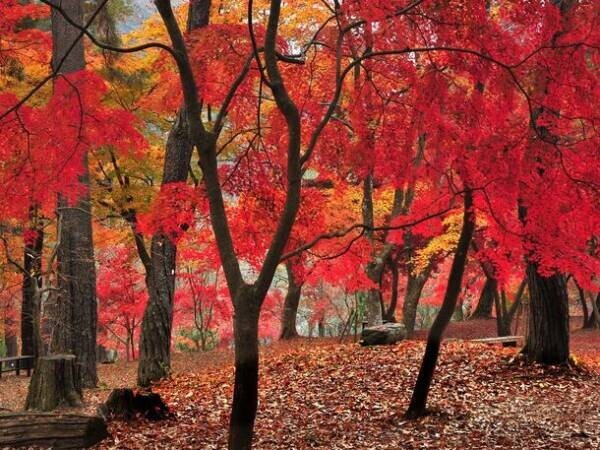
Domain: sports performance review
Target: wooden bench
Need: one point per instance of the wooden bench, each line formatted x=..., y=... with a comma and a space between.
x=17, y=363
x=506, y=341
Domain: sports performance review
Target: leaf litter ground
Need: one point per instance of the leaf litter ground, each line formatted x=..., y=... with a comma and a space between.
x=318, y=394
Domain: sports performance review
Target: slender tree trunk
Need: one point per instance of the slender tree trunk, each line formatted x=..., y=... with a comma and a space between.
x=584, y=306
x=548, y=333
x=390, y=314
x=155, y=341
x=75, y=326
x=418, y=403
x=375, y=267
x=414, y=289
x=486, y=300
x=594, y=317
x=32, y=263
x=245, y=395
x=10, y=338
x=290, y=307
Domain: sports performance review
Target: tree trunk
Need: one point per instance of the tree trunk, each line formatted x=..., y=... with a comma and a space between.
x=290, y=307
x=32, y=263
x=54, y=383
x=418, y=403
x=57, y=431
x=390, y=314
x=155, y=340
x=594, y=318
x=245, y=391
x=584, y=306
x=414, y=289
x=75, y=324
x=548, y=333
x=10, y=338
x=486, y=300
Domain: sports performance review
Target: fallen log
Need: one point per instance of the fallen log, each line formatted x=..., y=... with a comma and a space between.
x=50, y=430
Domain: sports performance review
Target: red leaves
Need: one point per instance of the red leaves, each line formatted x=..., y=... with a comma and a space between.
x=172, y=212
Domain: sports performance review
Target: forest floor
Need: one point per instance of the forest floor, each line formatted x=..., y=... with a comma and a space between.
x=326, y=395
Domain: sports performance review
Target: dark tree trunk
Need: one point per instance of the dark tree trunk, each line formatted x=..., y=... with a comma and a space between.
x=418, y=403
x=414, y=289
x=548, y=332
x=486, y=300
x=584, y=306
x=155, y=340
x=32, y=263
x=593, y=320
x=54, y=383
x=390, y=314
x=10, y=341
x=75, y=325
x=290, y=306
x=245, y=394
x=10, y=338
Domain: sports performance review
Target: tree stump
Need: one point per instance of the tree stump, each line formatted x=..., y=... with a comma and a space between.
x=388, y=333
x=125, y=404
x=48, y=430
x=54, y=384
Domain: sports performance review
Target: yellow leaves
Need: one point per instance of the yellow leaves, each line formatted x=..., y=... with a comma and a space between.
x=440, y=244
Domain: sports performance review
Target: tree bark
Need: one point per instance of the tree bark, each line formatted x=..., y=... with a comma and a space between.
x=54, y=383
x=375, y=267
x=548, y=332
x=594, y=317
x=486, y=300
x=245, y=394
x=414, y=289
x=155, y=340
x=290, y=306
x=58, y=431
x=418, y=403
x=32, y=263
x=10, y=338
x=390, y=314
x=76, y=319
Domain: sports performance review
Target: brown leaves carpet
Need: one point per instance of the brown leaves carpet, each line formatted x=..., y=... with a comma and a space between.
x=323, y=395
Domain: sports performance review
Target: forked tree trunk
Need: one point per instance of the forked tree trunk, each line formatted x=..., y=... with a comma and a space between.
x=245, y=394
x=418, y=403
x=486, y=300
x=548, y=332
x=74, y=325
x=155, y=340
x=54, y=383
x=290, y=306
x=414, y=289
